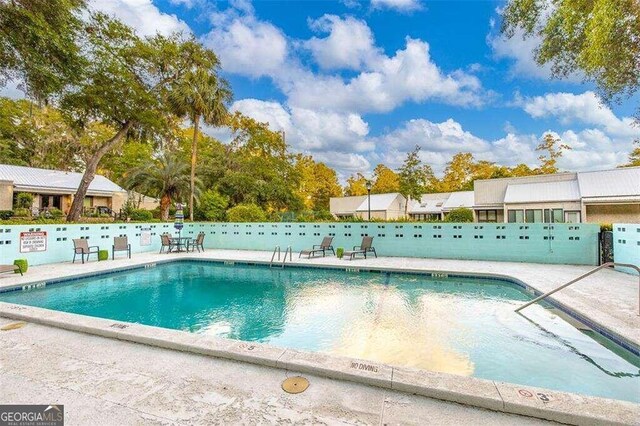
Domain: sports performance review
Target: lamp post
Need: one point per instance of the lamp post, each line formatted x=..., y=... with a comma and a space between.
x=368, y=185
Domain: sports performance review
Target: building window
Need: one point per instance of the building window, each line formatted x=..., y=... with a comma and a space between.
x=533, y=215
x=487, y=215
x=515, y=216
x=428, y=217
x=553, y=215
x=572, y=217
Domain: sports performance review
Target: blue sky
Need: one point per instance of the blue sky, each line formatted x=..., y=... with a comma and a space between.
x=356, y=83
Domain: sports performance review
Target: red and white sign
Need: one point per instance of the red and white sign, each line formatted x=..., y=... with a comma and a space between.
x=33, y=241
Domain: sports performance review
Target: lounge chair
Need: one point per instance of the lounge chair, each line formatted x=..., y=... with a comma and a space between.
x=198, y=243
x=81, y=247
x=363, y=248
x=11, y=268
x=319, y=248
x=167, y=242
x=120, y=244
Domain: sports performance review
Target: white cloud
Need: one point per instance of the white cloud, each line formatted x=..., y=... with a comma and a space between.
x=584, y=108
x=399, y=5
x=142, y=15
x=350, y=43
x=247, y=46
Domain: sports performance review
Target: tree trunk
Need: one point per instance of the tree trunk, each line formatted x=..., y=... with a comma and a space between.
x=90, y=172
x=165, y=203
x=194, y=148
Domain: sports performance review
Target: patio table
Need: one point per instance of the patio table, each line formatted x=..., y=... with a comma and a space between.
x=181, y=242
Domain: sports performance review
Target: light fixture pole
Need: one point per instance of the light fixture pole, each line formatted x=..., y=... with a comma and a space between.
x=368, y=185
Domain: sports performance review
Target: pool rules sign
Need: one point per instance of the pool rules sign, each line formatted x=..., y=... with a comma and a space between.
x=33, y=241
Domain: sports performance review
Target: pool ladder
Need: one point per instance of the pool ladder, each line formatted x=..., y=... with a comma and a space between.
x=575, y=280
x=277, y=250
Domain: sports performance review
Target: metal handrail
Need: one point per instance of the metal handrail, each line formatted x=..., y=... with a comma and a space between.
x=290, y=251
x=276, y=249
x=593, y=271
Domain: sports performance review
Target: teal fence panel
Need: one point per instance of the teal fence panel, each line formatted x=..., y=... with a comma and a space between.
x=538, y=243
x=626, y=245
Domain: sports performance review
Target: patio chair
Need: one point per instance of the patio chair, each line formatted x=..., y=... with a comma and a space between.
x=319, y=248
x=81, y=247
x=363, y=248
x=120, y=244
x=167, y=242
x=198, y=243
x=11, y=268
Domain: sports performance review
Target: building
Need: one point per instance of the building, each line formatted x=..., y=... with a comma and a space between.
x=605, y=196
x=55, y=189
x=599, y=197
x=383, y=206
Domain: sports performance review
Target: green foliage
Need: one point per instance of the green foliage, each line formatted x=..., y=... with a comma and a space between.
x=54, y=213
x=458, y=215
x=414, y=176
x=340, y=252
x=140, y=215
x=212, y=206
x=103, y=254
x=554, y=148
x=597, y=38
x=22, y=212
x=606, y=227
x=23, y=264
x=356, y=185
x=385, y=180
x=6, y=214
x=39, y=44
x=246, y=213
x=24, y=200
x=318, y=183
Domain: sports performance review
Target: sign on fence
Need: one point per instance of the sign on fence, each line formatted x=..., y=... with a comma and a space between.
x=33, y=241
x=145, y=237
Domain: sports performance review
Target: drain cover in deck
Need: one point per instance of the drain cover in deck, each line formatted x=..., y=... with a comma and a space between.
x=295, y=384
x=13, y=326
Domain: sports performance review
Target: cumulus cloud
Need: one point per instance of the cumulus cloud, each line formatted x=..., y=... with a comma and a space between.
x=584, y=108
x=348, y=45
x=399, y=5
x=142, y=15
x=246, y=45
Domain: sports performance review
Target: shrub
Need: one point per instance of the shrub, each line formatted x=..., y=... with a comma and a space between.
x=246, y=213
x=103, y=255
x=212, y=206
x=55, y=213
x=6, y=214
x=21, y=212
x=461, y=214
x=339, y=252
x=140, y=215
x=24, y=200
x=23, y=264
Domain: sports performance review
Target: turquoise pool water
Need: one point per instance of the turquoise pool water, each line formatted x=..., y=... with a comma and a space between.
x=463, y=326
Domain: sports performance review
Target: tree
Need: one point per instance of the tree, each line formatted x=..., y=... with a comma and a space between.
x=356, y=185
x=124, y=86
x=385, y=180
x=200, y=94
x=318, y=183
x=39, y=45
x=598, y=38
x=166, y=178
x=212, y=206
x=458, y=175
x=414, y=177
x=554, y=148
x=246, y=213
x=634, y=156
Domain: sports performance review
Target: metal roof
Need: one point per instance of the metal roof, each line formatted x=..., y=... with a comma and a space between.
x=429, y=203
x=378, y=202
x=542, y=192
x=459, y=199
x=42, y=180
x=622, y=182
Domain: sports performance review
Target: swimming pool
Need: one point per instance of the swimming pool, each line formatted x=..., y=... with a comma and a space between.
x=463, y=326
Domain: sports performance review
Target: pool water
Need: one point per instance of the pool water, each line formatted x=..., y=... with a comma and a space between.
x=463, y=326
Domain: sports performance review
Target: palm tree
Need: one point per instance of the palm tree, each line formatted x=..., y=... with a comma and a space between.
x=200, y=95
x=166, y=178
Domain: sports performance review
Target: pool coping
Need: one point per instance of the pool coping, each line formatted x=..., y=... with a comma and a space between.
x=526, y=400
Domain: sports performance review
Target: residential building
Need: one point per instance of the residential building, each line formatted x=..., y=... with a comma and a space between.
x=55, y=189
x=382, y=206
x=605, y=196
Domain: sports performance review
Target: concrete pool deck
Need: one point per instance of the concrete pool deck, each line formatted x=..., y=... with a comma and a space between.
x=608, y=299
